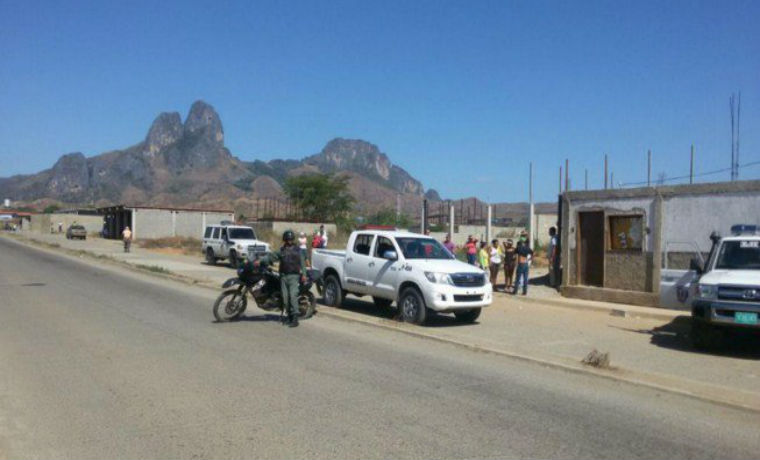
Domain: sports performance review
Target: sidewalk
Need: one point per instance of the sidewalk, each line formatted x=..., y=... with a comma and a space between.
x=646, y=345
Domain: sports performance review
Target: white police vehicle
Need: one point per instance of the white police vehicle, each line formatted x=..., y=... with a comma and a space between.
x=234, y=243
x=728, y=290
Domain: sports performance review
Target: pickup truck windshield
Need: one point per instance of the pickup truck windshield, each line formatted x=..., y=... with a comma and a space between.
x=739, y=255
x=423, y=248
x=241, y=234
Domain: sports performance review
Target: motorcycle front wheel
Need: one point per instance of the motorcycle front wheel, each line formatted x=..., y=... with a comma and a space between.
x=230, y=305
x=307, y=303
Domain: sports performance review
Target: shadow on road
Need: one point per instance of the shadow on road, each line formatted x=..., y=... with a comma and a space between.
x=676, y=335
x=367, y=307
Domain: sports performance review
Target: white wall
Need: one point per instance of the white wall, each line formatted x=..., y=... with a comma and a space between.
x=693, y=217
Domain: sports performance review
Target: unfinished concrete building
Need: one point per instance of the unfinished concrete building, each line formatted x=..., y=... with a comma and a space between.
x=630, y=245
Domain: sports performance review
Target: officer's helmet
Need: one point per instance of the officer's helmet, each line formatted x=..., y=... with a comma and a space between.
x=288, y=235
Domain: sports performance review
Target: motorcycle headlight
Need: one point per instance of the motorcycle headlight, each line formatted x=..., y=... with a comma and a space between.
x=439, y=278
x=707, y=291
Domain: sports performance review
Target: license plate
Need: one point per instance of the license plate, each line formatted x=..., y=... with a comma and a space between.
x=743, y=317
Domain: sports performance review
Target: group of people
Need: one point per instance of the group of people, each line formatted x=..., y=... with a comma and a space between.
x=514, y=259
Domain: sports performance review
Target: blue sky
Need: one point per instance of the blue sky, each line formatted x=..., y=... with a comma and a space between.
x=461, y=94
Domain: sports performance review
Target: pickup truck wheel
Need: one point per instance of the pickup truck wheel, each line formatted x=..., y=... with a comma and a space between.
x=411, y=304
x=382, y=303
x=333, y=296
x=467, y=316
x=704, y=336
x=234, y=261
x=210, y=258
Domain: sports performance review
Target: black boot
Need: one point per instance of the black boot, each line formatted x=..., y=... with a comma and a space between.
x=293, y=321
x=285, y=320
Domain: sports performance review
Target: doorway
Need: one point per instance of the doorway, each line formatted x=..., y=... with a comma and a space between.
x=591, y=248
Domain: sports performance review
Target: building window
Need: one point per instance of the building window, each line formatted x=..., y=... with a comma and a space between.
x=626, y=233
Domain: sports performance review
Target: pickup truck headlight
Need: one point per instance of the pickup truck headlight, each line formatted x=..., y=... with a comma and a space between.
x=239, y=246
x=440, y=278
x=707, y=291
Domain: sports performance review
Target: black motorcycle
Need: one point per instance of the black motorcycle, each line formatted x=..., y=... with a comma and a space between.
x=263, y=284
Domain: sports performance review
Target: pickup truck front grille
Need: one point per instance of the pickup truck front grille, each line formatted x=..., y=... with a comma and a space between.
x=468, y=279
x=739, y=293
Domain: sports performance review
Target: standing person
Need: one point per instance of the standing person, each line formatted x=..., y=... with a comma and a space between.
x=292, y=272
x=316, y=240
x=524, y=254
x=495, y=256
x=60, y=227
x=553, y=257
x=126, y=236
x=510, y=261
x=471, y=246
x=323, y=235
x=448, y=244
x=483, y=257
x=303, y=246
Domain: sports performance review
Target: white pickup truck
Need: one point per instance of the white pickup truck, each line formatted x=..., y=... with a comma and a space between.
x=413, y=270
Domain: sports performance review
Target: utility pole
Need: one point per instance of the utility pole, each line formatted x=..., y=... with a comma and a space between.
x=586, y=178
x=560, y=180
x=649, y=168
x=612, y=179
x=738, y=125
x=567, y=174
x=531, y=210
x=605, y=171
x=691, y=166
x=731, y=101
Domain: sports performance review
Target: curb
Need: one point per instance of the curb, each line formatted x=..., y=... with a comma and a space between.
x=622, y=310
x=709, y=393
x=744, y=400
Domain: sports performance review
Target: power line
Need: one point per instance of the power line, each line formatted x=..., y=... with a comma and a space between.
x=708, y=173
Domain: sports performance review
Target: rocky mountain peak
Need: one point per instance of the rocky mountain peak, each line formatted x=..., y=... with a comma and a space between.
x=69, y=176
x=354, y=155
x=202, y=118
x=165, y=130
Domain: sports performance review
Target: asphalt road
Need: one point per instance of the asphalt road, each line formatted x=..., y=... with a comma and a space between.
x=98, y=363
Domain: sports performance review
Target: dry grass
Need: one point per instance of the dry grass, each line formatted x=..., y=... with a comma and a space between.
x=175, y=244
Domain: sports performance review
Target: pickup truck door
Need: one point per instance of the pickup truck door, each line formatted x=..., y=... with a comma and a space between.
x=357, y=263
x=678, y=283
x=382, y=273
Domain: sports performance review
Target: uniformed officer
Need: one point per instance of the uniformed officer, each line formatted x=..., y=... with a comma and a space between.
x=292, y=271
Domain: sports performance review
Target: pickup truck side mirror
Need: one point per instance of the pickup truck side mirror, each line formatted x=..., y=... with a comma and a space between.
x=390, y=255
x=696, y=265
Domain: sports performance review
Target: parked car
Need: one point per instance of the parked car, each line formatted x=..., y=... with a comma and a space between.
x=76, y=231
x=728, y=290
x=234, y=243
x=413, y=270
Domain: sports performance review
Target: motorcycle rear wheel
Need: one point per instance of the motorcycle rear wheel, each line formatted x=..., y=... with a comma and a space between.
x=307, y=304
x=230, y=305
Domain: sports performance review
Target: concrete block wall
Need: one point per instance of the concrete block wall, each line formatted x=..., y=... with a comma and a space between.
x=162, y=223
x=40, y=223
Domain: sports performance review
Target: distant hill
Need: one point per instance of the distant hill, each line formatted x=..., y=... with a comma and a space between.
x=187, y=164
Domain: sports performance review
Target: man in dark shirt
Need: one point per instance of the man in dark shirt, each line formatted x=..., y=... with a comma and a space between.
x=524, y=254
x=292, y=270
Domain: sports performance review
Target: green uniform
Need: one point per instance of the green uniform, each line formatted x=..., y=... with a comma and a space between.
x=292, y=267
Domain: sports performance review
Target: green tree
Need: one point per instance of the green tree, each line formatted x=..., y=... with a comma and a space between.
x=320, y=197
x=388, y=216
x=51, y=209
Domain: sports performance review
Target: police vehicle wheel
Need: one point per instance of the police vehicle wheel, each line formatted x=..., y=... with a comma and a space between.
x=234, y=260
x=467, y=316
x=210, y=259
x=412, y=306
x=333, y=295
